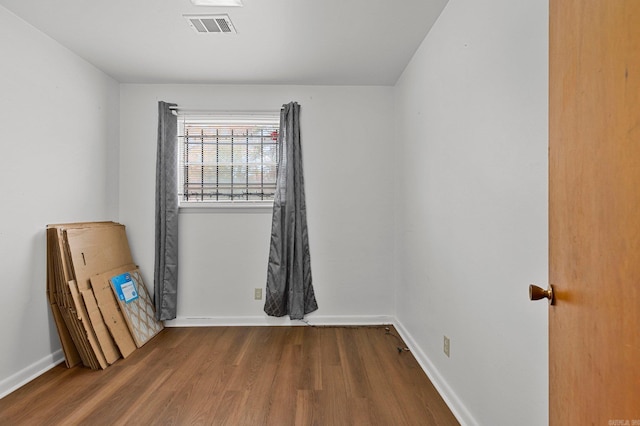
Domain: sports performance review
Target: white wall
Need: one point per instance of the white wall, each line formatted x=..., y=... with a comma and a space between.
x=347, y=144
x=471, y=114
x=59, y=163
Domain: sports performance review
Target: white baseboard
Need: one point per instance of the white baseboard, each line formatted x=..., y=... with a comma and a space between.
x=450, y=398
x=30, y=372
x=271, y=321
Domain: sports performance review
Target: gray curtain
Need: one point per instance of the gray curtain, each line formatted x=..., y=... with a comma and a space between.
x=165, y=278
x=289, y=290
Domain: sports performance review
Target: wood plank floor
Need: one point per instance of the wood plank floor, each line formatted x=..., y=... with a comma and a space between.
x=241, y=376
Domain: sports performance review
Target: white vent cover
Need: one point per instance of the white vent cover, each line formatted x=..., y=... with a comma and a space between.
x=204, y=24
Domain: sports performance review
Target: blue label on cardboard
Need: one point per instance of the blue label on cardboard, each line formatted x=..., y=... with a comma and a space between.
x=125, y=287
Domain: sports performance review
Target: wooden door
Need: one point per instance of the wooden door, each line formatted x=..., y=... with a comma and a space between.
x=594, y=212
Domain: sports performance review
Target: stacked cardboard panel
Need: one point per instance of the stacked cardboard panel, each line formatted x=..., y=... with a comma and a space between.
x=82, y=258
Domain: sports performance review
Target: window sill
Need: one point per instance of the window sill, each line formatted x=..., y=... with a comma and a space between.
x=257, y=207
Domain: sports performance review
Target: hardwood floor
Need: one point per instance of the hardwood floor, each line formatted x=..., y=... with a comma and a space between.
x=241, y=376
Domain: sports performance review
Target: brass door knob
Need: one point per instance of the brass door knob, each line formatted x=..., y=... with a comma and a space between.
x=537, y=293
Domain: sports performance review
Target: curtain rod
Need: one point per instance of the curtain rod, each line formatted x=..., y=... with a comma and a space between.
x=221, y=111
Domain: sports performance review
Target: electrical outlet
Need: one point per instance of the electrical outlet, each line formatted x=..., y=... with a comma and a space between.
x=446, y=346
x=257, y=294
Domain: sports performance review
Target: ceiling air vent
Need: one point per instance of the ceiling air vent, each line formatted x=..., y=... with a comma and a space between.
x=204, y=24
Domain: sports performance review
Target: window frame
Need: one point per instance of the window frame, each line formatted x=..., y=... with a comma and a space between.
x=226, y=117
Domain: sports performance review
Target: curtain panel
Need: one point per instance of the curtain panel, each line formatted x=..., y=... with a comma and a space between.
x=289, y=288
x=166, y=228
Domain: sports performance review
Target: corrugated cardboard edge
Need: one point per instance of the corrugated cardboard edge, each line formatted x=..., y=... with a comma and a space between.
x=110, y=309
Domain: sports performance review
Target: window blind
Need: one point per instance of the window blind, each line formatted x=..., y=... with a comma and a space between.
x=227, y=158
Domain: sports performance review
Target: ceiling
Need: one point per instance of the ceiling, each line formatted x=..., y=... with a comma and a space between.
x=324, y=42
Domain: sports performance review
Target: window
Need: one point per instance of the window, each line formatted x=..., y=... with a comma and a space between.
x=227, y=158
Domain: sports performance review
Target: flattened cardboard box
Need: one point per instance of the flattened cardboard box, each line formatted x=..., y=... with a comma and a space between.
x=73, y=333
x=83, y=317
x=66, y=305
x=77, y=252
x=71, y=353
x=107, y=344
x=95, y=250
x=110, y=309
